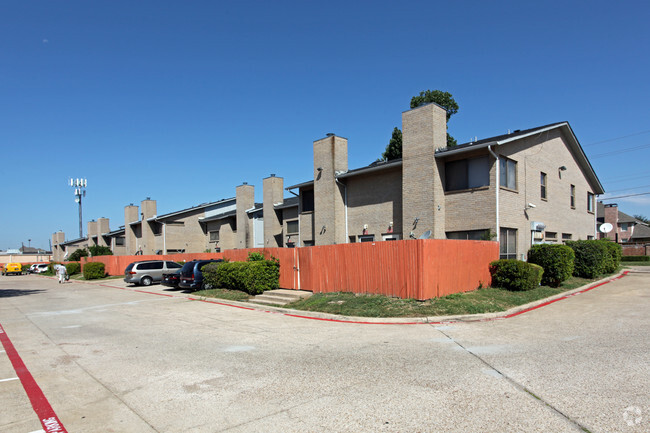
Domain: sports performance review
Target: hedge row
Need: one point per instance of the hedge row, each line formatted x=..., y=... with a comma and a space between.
x=94, y=270
x=595, y=257
x=252, y=277
x=515, y=275
x=587, y=259
x=635, y=258
x=73, y=268
x=556, y=260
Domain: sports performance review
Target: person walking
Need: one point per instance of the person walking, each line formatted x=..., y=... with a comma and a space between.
x=62, y=273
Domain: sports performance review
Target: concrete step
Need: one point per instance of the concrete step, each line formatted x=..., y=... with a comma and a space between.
x=280, y=297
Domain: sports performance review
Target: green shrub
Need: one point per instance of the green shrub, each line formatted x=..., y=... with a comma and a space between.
x=515, y=275
x=100, y=250
x=556, y=260
x=73, y=268
x=78, y=254
x=592, y=257
x=614, y=252
x=50, y=268
x=255, y=257
x=635, y=258
x=252, y=277
x=94, y=270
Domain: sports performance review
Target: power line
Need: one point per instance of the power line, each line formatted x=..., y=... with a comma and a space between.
x=619, y=151
x=626, y=178
x=624, y=196
x=617, y=138
x=629, y=189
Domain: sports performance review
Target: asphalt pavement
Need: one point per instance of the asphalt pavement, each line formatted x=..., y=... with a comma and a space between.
x=108, y=359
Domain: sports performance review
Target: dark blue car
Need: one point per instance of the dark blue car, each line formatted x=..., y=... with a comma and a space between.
x=191, y=276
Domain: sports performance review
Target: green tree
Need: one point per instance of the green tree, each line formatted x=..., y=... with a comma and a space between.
x=444, y=99
x=78, y=254
x=643, y=218
x=394, y=147
x=100, y=250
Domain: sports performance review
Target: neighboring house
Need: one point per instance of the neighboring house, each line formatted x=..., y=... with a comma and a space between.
x=625, y=228
x=521, y=188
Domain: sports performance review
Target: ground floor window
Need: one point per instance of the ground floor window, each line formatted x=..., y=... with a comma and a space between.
x=508, y=243
x=366, y=238
x=470, y=235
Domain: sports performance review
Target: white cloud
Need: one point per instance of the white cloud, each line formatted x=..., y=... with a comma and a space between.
x=45, y=41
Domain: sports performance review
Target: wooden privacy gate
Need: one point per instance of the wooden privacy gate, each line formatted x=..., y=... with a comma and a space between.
x=419, y=269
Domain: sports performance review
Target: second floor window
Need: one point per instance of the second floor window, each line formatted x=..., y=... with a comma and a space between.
x=542, y=182
x=573, y=196
x=467, y=173
x=508, y=173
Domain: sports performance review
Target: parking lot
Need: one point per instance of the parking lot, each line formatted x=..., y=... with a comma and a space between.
x=114, y=360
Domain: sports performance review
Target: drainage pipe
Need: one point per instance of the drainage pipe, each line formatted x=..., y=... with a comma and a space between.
x=498, y=187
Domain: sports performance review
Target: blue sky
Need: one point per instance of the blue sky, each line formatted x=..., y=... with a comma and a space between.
x=183, y=101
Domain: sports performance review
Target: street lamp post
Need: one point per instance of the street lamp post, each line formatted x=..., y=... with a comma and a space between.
x=79, y=186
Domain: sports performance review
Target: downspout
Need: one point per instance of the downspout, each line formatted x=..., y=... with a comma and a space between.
x=299, y=228
x=345, y=204
x=498, y=187
x=165, y=238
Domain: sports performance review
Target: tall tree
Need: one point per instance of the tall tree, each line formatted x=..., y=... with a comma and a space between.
x=444, y=99
x=394, y=147
x=639, y=217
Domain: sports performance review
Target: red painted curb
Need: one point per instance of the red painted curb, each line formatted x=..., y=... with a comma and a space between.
x=358, y=322
x=46, y=415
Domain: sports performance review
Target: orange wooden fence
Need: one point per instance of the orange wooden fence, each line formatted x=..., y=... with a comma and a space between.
x=419, y=269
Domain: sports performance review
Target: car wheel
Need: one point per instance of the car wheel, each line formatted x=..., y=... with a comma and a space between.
x=146, y=281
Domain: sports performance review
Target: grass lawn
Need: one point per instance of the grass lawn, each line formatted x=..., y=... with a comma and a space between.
x=232, y=295
x=487, y=300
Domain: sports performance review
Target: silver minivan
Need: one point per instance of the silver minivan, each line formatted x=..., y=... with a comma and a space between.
x=150, y=271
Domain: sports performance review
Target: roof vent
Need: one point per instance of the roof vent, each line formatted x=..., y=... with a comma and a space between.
x=272, y=174
x=245, y=183
x=330, y=134
x=148, y=198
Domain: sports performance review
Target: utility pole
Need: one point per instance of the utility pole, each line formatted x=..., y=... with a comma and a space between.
x=79, y=186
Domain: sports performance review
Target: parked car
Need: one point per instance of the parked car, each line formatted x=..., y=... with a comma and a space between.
x=191, y=275
x=149, y=271
x=171, y=279
x=32, y=268
x=13, y=268
x=40, y=268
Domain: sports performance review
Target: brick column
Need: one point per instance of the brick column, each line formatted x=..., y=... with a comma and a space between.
x=245, y=199
x=131, y=214
x=330, y=157
x=423, y=198
x=273, y=193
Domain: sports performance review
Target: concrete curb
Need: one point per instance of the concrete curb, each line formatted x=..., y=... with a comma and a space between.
x=411, y=320
x=315, y=315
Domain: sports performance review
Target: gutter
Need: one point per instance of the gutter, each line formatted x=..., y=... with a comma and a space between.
x=498, y=187
x=345, y=204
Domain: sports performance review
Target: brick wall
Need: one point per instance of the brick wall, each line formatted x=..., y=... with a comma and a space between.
x=375, y=200
x=424, y=131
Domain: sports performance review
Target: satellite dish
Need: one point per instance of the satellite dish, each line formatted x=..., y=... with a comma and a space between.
x=606, y=228
x=425, y=235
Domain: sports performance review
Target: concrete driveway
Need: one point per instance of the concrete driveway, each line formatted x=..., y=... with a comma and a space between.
x=112, y=360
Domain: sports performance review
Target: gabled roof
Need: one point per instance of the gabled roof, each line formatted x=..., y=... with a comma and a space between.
x=500, y=140
x=73, y=241
x=191, y=209
x=641, y=231
x=218, y=217
x=287, y=203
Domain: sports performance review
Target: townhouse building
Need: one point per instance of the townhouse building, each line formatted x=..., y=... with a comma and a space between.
x=521, y=188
